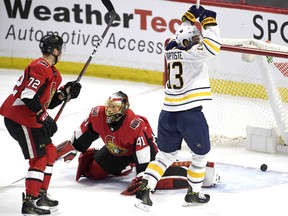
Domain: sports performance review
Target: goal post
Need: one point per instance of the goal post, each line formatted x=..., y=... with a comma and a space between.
x=249, y=82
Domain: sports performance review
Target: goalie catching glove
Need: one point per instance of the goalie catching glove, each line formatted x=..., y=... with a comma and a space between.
x=133, y=187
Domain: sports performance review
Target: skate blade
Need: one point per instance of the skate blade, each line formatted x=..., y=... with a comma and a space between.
x=56, y=213
x=186, y=204
x=53, y=209
x=142, y=206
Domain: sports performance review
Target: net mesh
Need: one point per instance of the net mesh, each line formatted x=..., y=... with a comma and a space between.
x=241, y=96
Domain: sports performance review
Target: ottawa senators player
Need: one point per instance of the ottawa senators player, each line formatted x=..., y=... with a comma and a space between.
x=28, y=122
x=128, y=139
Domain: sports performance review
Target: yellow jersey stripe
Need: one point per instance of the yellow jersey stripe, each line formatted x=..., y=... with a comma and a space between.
x=195, y=95
x=215, y=48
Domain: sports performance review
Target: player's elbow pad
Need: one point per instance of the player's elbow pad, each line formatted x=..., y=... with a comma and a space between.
x=55, y=101
x=33, y=104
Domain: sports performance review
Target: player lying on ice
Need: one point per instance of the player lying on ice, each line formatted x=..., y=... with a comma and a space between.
x=129, y=142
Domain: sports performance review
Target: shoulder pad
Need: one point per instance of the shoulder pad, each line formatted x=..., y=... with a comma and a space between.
x=95, y=111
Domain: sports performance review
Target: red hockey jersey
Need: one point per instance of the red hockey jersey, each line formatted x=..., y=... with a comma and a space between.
x=131, y=137
x=36, y=74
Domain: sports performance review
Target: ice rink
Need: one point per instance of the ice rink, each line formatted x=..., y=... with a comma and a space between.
x=244, y=189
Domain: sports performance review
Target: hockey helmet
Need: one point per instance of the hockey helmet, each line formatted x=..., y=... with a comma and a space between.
x=116, y=106
x=49, y=42
x=185, y=35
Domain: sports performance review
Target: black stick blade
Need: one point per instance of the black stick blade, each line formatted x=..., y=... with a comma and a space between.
x=108, y=5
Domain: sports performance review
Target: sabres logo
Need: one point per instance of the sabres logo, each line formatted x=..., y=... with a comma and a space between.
x=112, y=147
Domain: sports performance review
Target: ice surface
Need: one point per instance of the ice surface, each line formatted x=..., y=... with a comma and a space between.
x=244, y=189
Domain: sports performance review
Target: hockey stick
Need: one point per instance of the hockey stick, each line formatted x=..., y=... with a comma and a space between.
x=112, y=13
x=11, y=184
x=108, y=5
x=197, y=4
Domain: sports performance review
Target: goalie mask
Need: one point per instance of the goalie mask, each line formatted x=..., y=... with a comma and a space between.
x=186, y=35
x=116, y=107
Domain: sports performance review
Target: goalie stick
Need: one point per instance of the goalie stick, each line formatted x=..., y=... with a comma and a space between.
x=112, y=14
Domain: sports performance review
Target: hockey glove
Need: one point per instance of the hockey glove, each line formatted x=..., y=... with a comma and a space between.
x=71, y=88
x=172, y=44
x=133, y=187
x=208, y=18
x=49, y=126
x=192, y=14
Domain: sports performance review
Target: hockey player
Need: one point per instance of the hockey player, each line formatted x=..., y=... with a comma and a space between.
x=27, y=120
x=187, y=89
x=128, y=140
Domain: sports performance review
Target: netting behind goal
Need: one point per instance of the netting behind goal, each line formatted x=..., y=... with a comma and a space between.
x=249, y=81
x=250, y=88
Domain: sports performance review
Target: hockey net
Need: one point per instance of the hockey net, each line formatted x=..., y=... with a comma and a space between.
x=250, y=87
x=249, y=81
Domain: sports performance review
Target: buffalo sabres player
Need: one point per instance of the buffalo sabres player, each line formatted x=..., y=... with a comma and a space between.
x=187, y=90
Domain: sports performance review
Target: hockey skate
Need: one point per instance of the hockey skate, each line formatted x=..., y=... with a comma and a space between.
x=143, y=197
x=29, y=207
x=193, y=198
x=45, y=201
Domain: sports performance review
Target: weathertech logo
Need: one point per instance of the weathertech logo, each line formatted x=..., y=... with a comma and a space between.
x=85, y=14
x=30, y=17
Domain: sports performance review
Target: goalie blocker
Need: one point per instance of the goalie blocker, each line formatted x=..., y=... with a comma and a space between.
x=66, y=151
x=174, y=177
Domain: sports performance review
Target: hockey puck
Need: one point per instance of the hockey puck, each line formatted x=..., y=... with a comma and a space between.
x=263, y=167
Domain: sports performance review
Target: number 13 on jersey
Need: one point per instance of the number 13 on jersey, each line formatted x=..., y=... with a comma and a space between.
x=175, y=75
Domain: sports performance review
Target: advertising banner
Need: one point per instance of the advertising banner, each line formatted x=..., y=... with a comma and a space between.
x=135, y=39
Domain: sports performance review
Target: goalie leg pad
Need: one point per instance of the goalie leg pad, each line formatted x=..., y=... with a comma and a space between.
x=84, y=160
x=172, y=183
x=88, y=167
x=95, y=171
x=173, y=178
x=212, y=176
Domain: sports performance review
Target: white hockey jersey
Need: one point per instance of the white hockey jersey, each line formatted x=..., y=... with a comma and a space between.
x=188, y=83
